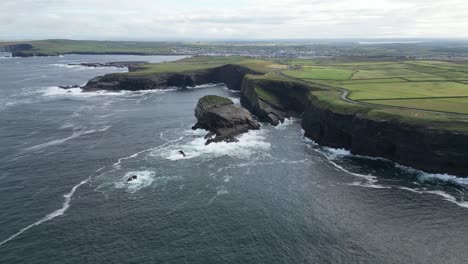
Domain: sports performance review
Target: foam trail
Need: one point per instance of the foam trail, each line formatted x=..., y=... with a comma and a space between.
x=119, y=161
x=54, y=214
x=63, y=140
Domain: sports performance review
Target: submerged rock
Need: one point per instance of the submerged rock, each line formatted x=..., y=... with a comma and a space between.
x=223, y=119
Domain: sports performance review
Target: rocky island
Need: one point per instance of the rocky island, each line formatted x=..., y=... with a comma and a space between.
x=426, y=139
x=223, y=119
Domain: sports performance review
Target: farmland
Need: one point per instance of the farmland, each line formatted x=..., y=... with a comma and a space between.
x=427, y=85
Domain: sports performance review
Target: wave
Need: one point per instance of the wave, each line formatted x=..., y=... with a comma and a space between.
x=63, y=140
x=248, y=144
x=426, y=176
x=221, y=190
x=118, y=164
x=55, y=91
x=287, y=122
x=204, y=86
x=444, y=195
x=65, y=206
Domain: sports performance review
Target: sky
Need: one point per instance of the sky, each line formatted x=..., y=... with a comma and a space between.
x=233, y=19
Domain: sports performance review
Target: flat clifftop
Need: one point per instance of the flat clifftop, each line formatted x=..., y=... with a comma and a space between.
x=211, y=101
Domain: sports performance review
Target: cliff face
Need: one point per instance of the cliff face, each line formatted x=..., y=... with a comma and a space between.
x=18, y=47
x=419, y=147
x=272, y=101
x=423, y=148
x=230, y=75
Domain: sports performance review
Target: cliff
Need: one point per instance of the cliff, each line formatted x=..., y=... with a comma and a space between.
x=231, y=75
x=272, y=99
x=421, y=147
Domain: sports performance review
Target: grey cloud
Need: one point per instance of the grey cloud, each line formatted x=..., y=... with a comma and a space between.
x=156, y=19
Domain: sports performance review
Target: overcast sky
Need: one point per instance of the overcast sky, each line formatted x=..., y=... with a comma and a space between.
x=233, y=19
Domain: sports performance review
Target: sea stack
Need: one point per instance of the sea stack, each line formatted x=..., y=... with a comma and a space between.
x=223, y=119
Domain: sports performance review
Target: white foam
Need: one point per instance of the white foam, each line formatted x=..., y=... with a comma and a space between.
x=204, y=86
x=425, y=176
x=371, y=180
x=442, y=194
x=333, y=153
x=235, y=100
x=232, y=91
x=227, y=178
x=220, y=190
x=144, y=179
x=55, y=91
x=66, y=204
x=118, y=164
x=369, y=185
x=196, y=133
x=249, y=143
x=287, y=122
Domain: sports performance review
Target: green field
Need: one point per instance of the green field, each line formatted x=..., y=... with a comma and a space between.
x=427, y=85
x=321, y=73
x=405, y=90
x=456, y=105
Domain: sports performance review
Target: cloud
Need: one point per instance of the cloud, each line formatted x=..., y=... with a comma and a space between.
x=204, y=19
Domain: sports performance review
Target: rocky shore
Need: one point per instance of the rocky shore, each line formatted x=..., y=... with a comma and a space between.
x=421, y=147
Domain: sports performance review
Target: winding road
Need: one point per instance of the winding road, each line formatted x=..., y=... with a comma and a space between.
x=346, y=93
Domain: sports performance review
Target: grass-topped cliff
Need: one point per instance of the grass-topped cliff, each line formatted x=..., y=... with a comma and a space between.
x=340, y=102
x=429, y=93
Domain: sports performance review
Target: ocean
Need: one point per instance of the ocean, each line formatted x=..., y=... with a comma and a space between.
x=272, y=197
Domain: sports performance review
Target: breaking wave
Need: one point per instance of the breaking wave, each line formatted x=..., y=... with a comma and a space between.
x=249, y=143
x=144, y=179
x=57, y=91
x=287, y=122
x=435, y=181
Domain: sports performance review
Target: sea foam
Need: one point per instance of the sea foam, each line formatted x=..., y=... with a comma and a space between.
x=249, y=143
x=144, y=179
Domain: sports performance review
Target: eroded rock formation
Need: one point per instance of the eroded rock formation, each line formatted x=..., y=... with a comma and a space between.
x=223, y=119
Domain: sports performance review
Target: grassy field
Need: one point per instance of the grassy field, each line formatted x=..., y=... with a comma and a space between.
x=321, y=73
x=457, y=105
x=428, y=85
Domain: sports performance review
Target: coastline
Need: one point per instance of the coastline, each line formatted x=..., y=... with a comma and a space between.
x=271, y=99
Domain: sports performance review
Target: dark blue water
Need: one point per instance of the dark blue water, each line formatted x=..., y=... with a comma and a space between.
x=273, y=197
